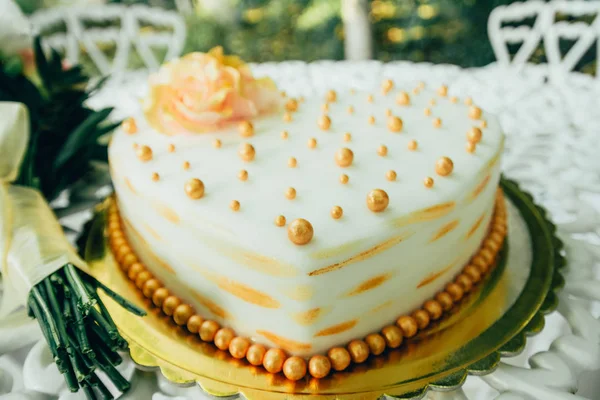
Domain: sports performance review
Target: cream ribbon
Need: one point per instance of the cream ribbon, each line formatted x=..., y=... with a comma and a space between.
x=32, y=243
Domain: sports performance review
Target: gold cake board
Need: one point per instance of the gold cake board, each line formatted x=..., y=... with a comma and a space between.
x=491, y=322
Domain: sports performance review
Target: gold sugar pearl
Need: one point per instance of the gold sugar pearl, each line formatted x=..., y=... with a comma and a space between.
x=324, y=122
x=283, y=93
x=344, y=157
x=291, y=105
x=223, y=338
x=319, y=366
x=193, y=323
x=246, y=152
x=359, y=351
x=171, y=148
x=391, y=175
x=422, y=318
x=437, y=122
x=129, y=126
x=238, y=347
x=312, y=143
x=208, y=330
x=350, y=110
x=408, y=324
x=382, y=150
x=300, y=231
x=475, y=112
x=469, y=101
x=474, y=135
x=470, y=147
x=421, y=85
x=412, y=145
x=371, y=119
x=443, y=91
x=144, y=153
x=339, y=358
x=331, y=96
x=403, y=99
x=325, y=107
x=294, y=368
x=388, y=112
x=194, y=188
x=445, y=300
x=290, y=193
x=217, y=143
x=292, y=162
x=280, y=220
x=284, y=135
x=376, y=343
x=387, y=85
x=182, y=314
x=428, y=182
x=370, y=98
x=287, y=117
x=255, y=354
x=444, y=166
x=483, y=123
x=186, y=165
x=395, y=124
x=352, y=91
x=246, y=128
x=302, y=99
x=135, y=146
x=393, y=336
x=336, y=212
x=155, y=176
x=427, y=111
x=432, y=102
x=377, y=200
x=344, y=179
x=243, y=175
x=170, y=304
x=434, y=309
x=347, y=137
x=454, y=99
x=234, y=205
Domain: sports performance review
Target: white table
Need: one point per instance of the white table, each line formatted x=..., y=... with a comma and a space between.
x=552, y=149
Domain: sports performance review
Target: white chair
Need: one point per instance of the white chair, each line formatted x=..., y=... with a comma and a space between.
x=124, y=31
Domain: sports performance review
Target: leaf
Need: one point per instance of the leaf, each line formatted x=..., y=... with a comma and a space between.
x=41, y=62
x=78, y=137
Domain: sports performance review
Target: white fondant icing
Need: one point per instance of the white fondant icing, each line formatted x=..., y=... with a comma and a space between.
x=211, y=248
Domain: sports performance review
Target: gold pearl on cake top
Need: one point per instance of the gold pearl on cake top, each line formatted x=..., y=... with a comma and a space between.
x=403, y=99
x=287, y=117
x=483, y=123
x=344, y=157
x=428, y=182
x=443, y=91
x=155, y=176
x=371, y=119
x=370, y=98
x=474, y=135
x=432, y=102
x=129, y=126
x=421, y=85
x=382, y=150
x=344, y=179
x=377, y=200
x=171, y=148
x=194, y=188
x=475, y=112
x=444, y=166
x=468, y=101
x=246, y=128
x=336, y=212
x=325, y=107
x=300, y=231
x=284, y=135
x=391, y=175
x=294, y=368
x=387, y=85
x=347, y=137
x=246, y=152
x=217, y=143
x=280, y=220
x=135, y=146
x=350, y=110
x=243, y=175
x=388, y=112
x=412, y=145
x=234, y=205
x=291, y=105
x=470, y=147
x=331, y=96
x=312, y=143
x=186, y=165
x=290, y=193
x=453, y=99
x=292, y=162
x=144, y=153
x=395, y=124
x=324, y=122
x=437, y=122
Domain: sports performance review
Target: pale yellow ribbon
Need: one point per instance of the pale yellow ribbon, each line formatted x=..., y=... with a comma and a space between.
x=32, y=243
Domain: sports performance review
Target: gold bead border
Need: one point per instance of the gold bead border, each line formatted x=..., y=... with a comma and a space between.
x=275, y=360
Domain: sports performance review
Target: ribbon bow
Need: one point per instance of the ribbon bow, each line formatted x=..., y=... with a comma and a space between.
x=32, y=243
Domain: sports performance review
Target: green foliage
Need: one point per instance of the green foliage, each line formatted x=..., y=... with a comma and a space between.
x=64, y=132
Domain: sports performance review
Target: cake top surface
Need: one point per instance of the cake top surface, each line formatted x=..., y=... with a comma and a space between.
x=353, y=164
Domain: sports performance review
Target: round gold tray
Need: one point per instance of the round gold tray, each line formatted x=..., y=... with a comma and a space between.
x=490, y=323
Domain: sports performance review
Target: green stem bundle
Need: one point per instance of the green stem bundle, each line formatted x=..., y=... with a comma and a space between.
x=80, y=333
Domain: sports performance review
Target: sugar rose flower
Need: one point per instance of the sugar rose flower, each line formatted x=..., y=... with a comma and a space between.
x=205, y=91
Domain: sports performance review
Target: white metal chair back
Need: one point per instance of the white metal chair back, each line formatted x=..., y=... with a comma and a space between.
x=545, y=31
x=124, y=30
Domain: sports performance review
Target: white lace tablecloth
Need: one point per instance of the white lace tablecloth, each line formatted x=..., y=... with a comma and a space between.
x=552, y=149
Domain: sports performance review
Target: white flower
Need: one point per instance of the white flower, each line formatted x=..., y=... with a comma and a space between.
x=15, y=29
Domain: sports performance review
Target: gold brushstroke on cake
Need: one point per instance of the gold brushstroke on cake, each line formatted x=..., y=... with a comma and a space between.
x=426, y=214
x=311, y=316
x=300, y=292
x=434, y=275
x=152, y=232
x=338, y=328
x=369, y=284
x=285, y=343
x=133, y=232
x=166, y=212
x=211, y=306
x=363, y=255
x=263, y=264
x=480, y=188
x=444, y=230
x=475, y=226
x=241, y=291
x=334, y=251
x=130, y=186
x=381, y=307
x=148, y=253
